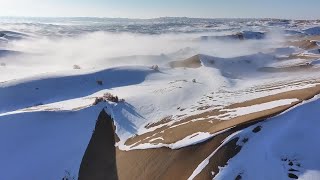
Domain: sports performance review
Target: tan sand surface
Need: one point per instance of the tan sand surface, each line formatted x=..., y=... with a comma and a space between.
x=192, y=62
x=102, y=161
x=187, y=126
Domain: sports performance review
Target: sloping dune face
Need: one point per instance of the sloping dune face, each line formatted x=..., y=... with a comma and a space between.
x=168, y=98
x=305, y=44
x=192, y=62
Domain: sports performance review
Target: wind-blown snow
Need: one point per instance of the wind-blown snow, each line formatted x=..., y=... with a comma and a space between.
x=52, y=69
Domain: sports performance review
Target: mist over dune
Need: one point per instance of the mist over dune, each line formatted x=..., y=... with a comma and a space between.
x=106, y=49
x=164, y=98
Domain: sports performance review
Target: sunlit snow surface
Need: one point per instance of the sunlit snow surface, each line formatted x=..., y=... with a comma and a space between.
x=49, y=69
x=286, y=144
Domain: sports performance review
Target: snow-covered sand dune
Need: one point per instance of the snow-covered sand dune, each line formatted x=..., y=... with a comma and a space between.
x=285, y=147
x=49, y=145
x=58, y=87
x=184, y=106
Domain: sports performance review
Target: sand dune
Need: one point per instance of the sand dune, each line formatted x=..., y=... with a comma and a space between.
x=304, y=44
x=175, y=98
x=244, y=35
x=103, y=161
x=192, y=62
x=99, y=160
x=179, y=130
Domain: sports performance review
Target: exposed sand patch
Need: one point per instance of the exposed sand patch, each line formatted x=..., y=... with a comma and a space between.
x=298, y=56
x=219, y=159
x=164, y=163
x=314, y=38
x=192, y=62
x=304, y=44
x=103, y=161
x=163, y=121
x=304, y=67
x=279, y=85
x=189, y=125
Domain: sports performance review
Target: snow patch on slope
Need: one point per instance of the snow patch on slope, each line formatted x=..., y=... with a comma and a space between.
x=286, y=145
x=313, y=31
x=45, y=144
x=256, y=108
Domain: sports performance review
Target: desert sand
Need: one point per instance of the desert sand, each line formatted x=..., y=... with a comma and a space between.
x=103, y=160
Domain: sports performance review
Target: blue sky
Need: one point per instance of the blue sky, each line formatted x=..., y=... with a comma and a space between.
x=295, y=9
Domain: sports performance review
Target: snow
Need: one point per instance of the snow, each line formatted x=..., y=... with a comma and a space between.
x=11, y=35
x=292, y=136
x=244, y=35
x=205, y=162
x=148, y=94
x=314, y=51
x=46, y=111
x=39, y=145
x=238, y=67
x=253, y=35
x=236, y=112
x=310, y=174
x=190, y=140
x=315, y=62
x=43, y=89
x=313, y=30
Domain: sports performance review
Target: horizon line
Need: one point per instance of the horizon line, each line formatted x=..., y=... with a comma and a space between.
x=160, y=17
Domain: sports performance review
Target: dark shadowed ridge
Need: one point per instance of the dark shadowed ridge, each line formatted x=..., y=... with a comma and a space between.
x=103, y=161
x=99, y=160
